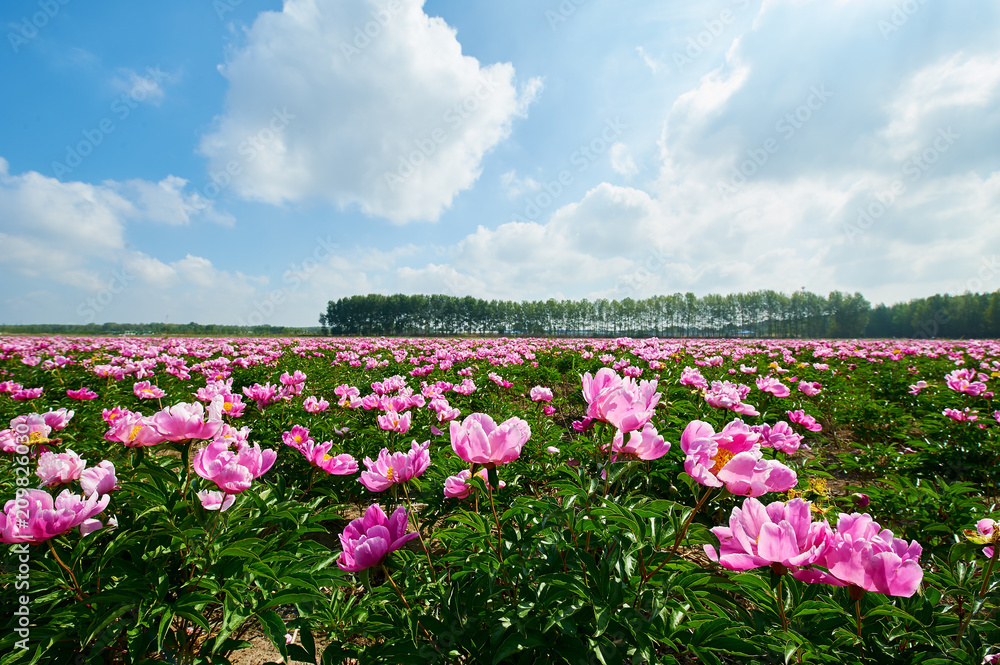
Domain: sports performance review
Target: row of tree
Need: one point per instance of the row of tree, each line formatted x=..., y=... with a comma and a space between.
x=755, y=314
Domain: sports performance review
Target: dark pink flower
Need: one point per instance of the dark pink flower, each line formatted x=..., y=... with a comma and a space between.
x=732, y=458
x=367, y=540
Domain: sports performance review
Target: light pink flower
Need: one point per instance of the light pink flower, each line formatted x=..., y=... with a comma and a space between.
x=39, y=518
x=541, y=394
x=961, y=416
x=802, y=418
x=313, y=405
x=185, y=421
x=732, y=458
x=395, y=422
x=779, y=436
x=146, y=390
x=760, y=535
x=727, y=395
x=58, y=419
x=773, y=385
x=133, y=430
x=479, y=440
x=59, y=468
x=233, y=471
x=458, y=487
x=214, y=500
x=917, y=387
x=810, y=388
x=622, y=402
x=645, y=444
x=395, y=468
x=100, y=479
x=693, y=378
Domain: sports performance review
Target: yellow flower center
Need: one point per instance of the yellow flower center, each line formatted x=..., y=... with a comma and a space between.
x=388, y=474
x=134, y=433
x=298, y=439
x=226, y=406
x=35, y=437
x=721, y=459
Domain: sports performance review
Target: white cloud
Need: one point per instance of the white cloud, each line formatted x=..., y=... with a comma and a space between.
x=142, y=88
x=621, y=160
x=396, y=121
x=514, y=186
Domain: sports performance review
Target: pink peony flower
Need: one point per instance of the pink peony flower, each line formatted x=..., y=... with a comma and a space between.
x=26, y=394
x=100, y=479
x=917, y=387
x=861, y=554
x=34, y=517
x=367, y=540
x=146, y=390
x=458, y=487
x=395, y=468
x=779, y=436
x=185, y=421
x=313, y=405
x=693, y=378
x=732, y=458
x=548, y=409
x=810, y=388
x=133, y=430
x=773, y=386
x=82, y=393
x=58, y=419
x=760, y=535
x=802, y=418
x=59, y=468
x=213, y=500
x=232, y=471
x=644, y=444
x=540, y=394
x=262, y=395
x=961, y=416
x=727, y=395
x=479, y=440
x=622, y=402
x=394, y=422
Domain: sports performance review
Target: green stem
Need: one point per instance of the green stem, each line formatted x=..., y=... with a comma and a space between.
x=416, y=527
x=677, y=541
x=779, y=598
x=489, y=490
x=76, y=585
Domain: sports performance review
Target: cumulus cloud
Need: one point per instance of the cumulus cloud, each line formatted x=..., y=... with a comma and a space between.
x=383, y=109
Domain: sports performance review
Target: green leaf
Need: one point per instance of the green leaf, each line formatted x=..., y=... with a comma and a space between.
x=275, y=629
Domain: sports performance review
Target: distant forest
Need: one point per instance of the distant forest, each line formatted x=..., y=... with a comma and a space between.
x=756, y=314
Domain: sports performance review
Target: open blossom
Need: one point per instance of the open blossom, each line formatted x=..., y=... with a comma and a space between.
x=47, y=518
x=965, y=381
x=624, y=403
x=395, y=422
x=58, y=419
x=760, y=535
x=860, y=553
x=778, y=436
x=214, y=500
x=645, y=444
x=732, y=458
x=313, y=405
x=458, y=487
x=10, y=386
x=25, y=394
x=479, y=440
x=297, y=378
x=773, y=385
x=213, y=388
x=232, y=470
x=146, y=390
x=727, y=395
x=297, y=437
x=100, y=479
x=262, y=395
x=961, y=416
x=82, y=393
x=59, y=468
x=133, y=429
x=395, y=468
x=917, y=387
x=802, y=418
x=367, y=540
x=986, y=532
x=186, y=421
x=541, y=394
x=810, y=388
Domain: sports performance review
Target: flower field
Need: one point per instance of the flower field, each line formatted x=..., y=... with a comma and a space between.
x=374, y=500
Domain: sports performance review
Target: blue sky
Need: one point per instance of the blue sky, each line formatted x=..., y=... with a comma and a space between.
x=246, y=161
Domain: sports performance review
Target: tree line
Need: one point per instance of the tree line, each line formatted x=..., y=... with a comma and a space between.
x=755, y=314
